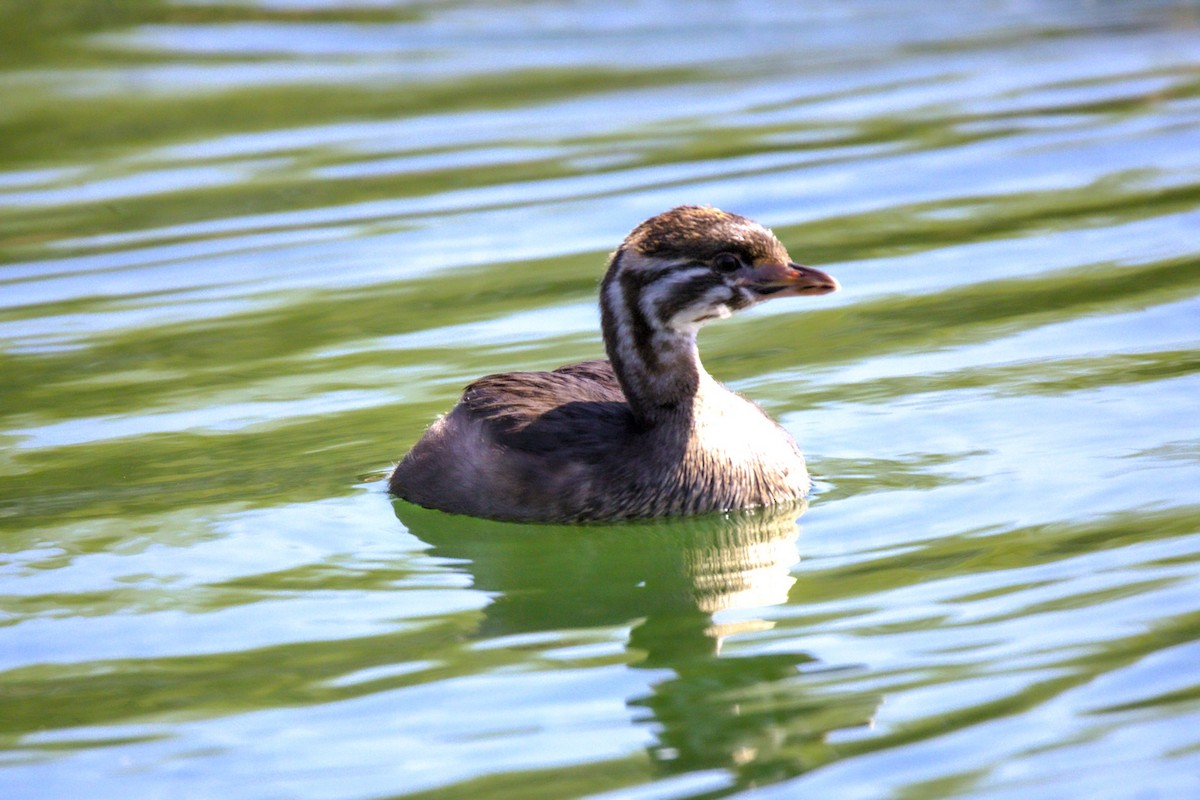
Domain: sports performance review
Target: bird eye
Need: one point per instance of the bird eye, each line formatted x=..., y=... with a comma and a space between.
x=727, y=262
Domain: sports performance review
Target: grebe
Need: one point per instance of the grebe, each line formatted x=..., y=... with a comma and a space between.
x=646, y=432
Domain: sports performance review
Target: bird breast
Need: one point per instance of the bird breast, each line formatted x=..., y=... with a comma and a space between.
x=738, y=440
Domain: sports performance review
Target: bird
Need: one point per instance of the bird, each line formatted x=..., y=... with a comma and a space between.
x=646, y=432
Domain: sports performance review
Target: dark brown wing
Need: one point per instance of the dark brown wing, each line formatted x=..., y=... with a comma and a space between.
x=579, y=407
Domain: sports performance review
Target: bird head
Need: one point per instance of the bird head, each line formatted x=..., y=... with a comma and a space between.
x=694, y=264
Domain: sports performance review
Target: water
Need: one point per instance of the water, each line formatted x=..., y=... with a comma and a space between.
x=248, y=251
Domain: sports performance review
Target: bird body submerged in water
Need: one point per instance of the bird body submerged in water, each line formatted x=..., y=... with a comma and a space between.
x=647, y=432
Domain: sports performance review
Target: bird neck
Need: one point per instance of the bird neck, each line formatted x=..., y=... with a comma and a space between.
x=657, y=366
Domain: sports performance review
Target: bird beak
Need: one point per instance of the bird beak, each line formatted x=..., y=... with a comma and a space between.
x=784, y=280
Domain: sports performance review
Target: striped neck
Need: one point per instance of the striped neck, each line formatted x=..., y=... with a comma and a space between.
x=650, y=316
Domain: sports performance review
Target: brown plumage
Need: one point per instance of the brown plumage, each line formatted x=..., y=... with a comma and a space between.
x=647, y=432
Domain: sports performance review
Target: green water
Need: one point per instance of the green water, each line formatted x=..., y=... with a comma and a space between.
x=248, y=250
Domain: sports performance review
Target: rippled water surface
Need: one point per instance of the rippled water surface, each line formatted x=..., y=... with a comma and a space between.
x=248, y=250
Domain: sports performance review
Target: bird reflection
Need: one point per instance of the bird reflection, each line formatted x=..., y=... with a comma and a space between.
x=748, y=714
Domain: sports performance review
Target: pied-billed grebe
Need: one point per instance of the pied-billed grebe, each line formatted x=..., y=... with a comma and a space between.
x=647, y=432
